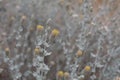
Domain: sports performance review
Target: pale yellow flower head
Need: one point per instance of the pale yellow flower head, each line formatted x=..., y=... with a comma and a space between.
x=87, y=68
x=55, y=32
x=40, y=27
x=79, y=53
x=60, y=73
x=24, y=17
x=37, y=50
x=7, y=50
x=66, y=74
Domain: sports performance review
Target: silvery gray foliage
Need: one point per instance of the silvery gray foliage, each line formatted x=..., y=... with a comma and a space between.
x=38, y=60
x=98, y=39
x=101, y=34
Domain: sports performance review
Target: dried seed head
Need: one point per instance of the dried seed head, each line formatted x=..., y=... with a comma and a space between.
x=40, y=27
x=60, y=74
x=37, y=50
x=66, y=74
x=87, y=68
x=55, y=32
x=79, y=53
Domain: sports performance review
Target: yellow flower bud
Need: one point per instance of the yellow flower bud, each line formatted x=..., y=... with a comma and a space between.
x=55, y=32
x=40, y=27
x=66, y=74
x=87, y=68
x=37, y=50
x=60, y=74
x=79, y=53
